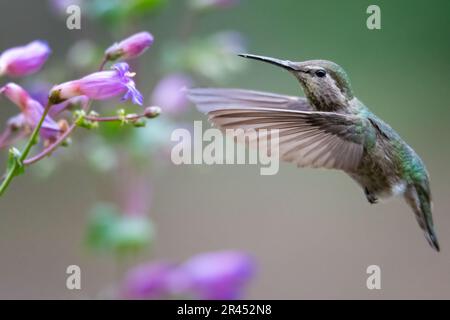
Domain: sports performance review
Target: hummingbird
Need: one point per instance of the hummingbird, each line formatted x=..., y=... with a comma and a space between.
x=328, y=128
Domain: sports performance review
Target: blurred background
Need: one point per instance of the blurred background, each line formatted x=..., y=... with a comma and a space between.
x=311, y=233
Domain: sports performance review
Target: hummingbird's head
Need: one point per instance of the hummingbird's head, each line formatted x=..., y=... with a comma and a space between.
x=325, y=83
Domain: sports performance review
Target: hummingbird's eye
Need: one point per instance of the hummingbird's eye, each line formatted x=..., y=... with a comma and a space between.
x=320, y=73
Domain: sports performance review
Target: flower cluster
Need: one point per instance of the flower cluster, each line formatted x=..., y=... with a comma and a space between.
x=35, y=119
x=122, y=227
x=49, y=113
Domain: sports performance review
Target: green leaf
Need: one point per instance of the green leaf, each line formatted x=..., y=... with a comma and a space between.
x=131, y=234
x=109, y=11
x=101, y=222
x=111, y=231
x=117, y=12
x=144, y=7
x=139, y=123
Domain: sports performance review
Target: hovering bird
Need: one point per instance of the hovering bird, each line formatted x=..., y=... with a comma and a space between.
x=330, y=128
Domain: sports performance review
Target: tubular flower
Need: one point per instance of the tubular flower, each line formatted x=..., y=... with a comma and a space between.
x=149, y=281
x=100, y=86
x=39, y=92
x=214, y=275
x=217, y=275
x=22, y=61
x=31, y=112
x=131, y=47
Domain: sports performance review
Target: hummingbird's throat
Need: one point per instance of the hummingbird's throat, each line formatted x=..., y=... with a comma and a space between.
x=325, y=97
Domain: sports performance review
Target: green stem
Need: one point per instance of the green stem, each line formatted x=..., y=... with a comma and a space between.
x=33, y=137
x=9, y=176
x=12, y=171
x=102, y=65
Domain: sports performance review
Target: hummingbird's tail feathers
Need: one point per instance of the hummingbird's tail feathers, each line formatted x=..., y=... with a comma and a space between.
x=211, y=99
x=432, y=239
x=418, y=198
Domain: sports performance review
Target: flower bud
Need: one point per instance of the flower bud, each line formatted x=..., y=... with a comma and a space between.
x=139, y=123
x=131, y=47
x=152, y=112
x=25, y=60
x=81, y=121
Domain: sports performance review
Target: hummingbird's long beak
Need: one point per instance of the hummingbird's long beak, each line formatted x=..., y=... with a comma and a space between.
x=286, y=64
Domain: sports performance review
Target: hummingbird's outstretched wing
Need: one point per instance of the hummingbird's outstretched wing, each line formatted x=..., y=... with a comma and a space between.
x=306, y=138
x=210, y=99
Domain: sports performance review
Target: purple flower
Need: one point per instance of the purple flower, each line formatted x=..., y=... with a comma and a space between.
x=218, y=275
x=39, y=92
x=148, y=281
x=17, y=121
x=169, y=93
x=31, y=111
x=100, y=86
x=131, y=47
x=22, y=61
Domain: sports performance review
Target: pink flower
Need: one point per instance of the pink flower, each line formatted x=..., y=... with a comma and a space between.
x=213, y=275
x=100, y=86
x=22, y=61
x=39, y=92
x=31, y=111
x=217, y=275
x=131, y=47
x=149, y=281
